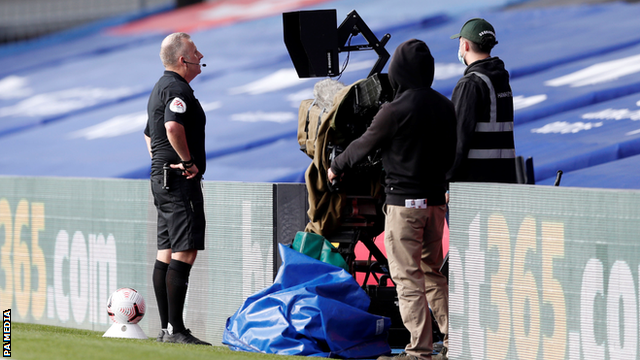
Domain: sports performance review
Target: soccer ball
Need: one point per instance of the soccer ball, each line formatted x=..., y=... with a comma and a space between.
x=126, y=306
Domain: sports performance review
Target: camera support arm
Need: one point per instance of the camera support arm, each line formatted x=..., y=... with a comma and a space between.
x=354, y=25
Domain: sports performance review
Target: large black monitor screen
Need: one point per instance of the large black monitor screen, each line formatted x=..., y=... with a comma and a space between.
x=311, y=37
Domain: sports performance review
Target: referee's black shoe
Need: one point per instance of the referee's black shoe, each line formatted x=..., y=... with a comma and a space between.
x=162, y=336
x=185, y=337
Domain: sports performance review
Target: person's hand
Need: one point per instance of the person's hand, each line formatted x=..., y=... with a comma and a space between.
x=446, y=197
x=190, y=173
x=331, y=176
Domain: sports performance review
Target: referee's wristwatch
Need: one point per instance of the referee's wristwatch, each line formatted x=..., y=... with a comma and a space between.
x=187, y=164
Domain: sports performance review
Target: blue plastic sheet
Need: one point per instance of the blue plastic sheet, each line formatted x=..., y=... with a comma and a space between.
x=312, y=309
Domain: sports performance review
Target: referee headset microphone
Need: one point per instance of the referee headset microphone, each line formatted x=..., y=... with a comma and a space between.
x=186, y=62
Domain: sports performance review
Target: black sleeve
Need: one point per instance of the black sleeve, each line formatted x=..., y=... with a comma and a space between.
x=381, y=130
x=465, y=99
x=176, y=105
x=450, y=138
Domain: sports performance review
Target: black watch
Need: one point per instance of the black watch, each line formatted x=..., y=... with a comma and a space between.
x=187, y=164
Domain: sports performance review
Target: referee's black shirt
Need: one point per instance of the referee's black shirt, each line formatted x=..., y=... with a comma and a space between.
x=172, y=99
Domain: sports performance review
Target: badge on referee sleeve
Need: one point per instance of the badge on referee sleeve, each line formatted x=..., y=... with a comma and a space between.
x=178, y=106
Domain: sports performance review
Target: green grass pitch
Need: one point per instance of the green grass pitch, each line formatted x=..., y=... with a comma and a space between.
x=39, y=342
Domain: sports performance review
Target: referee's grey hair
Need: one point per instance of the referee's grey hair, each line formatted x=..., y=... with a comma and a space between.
x=172, y=48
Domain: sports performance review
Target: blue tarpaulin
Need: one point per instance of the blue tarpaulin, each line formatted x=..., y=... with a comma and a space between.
x=312, y=309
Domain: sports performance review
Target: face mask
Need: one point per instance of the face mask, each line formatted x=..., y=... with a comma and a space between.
x=461, y=57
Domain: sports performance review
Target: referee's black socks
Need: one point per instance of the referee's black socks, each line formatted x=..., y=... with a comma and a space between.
x=177, y=283
x=159, y=279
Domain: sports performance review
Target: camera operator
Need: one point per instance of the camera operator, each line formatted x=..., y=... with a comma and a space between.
x=417, y=138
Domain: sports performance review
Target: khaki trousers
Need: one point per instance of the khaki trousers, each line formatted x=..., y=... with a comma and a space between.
x=413, y=241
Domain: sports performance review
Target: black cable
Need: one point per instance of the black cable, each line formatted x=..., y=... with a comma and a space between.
x=346, y=61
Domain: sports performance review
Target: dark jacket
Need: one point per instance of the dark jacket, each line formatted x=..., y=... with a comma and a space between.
x=416, y=131
x=485, y=152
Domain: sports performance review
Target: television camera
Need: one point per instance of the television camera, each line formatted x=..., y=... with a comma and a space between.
x=350, y=211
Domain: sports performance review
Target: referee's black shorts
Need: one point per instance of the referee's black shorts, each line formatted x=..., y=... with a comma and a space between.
x=181, y=220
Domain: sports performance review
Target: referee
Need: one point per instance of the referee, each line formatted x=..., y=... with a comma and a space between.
x=175, y=139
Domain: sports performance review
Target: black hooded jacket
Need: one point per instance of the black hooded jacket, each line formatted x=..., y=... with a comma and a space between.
x=416, y=131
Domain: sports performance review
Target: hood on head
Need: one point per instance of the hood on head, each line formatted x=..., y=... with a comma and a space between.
x=411, y=66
